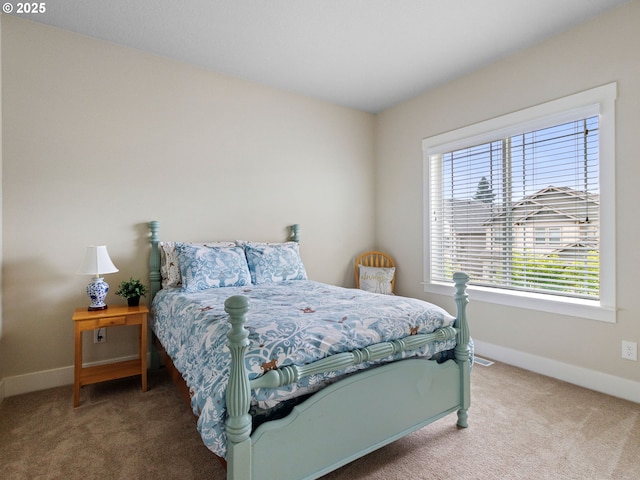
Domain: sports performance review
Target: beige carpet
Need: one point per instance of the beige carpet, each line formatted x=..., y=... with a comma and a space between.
x=522, y=426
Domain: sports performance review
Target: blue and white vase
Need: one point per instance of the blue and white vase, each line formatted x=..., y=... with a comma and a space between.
x=97, y=291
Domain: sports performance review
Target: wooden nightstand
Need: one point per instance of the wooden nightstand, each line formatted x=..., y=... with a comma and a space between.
x=110, y=317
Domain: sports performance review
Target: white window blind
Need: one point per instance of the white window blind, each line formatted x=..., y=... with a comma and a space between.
x=520, y=212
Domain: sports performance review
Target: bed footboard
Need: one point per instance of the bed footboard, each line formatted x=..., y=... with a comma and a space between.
x=420, y=391
x=353, y=417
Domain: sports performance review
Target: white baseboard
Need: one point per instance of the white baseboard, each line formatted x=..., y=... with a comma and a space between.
x=57, y=377
x=591, y=379
x=32, y=382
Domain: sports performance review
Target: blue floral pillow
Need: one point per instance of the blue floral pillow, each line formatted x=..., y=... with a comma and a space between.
x=274, y=262
x=203, y=267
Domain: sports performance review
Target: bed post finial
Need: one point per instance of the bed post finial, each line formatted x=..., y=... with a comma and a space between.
x=154, y=258
x=295, y=233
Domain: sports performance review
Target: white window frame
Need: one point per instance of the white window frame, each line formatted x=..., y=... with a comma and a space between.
x=600, y=100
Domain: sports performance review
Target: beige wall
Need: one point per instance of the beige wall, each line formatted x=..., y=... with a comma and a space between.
x=100, y=139
x=603, y=51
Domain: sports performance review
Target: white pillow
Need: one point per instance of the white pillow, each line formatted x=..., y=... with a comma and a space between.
x=376, y=279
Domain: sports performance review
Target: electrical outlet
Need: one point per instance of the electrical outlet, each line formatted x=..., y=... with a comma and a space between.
x=100, y=335
x=629, y=350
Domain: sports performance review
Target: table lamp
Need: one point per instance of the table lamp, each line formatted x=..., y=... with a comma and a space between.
x=97, y=262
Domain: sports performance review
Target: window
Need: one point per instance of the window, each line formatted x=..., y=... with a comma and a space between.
x=555, y=237
x=524, y=205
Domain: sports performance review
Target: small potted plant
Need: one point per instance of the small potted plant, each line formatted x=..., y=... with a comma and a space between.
x=132, y=290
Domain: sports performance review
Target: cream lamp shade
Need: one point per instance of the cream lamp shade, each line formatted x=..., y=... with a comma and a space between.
x=97, y=263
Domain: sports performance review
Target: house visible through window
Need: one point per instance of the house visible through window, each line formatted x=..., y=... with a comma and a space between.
x=519, y=208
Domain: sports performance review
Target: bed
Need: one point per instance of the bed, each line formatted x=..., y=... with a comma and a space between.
x=341, y=372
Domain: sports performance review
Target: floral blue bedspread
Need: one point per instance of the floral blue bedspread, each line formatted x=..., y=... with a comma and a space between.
x=293, y=322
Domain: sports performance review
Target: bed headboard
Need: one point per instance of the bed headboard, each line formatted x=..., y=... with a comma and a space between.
x=155, y=276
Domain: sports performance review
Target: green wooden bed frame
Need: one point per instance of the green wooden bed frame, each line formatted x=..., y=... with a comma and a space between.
x=348, y=419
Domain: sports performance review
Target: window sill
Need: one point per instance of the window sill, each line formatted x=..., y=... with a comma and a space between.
x=573, y=307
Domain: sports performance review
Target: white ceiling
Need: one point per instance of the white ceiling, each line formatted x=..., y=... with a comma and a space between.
x=365, y=54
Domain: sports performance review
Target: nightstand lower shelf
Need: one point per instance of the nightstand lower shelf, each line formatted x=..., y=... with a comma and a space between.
x=109, y=371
